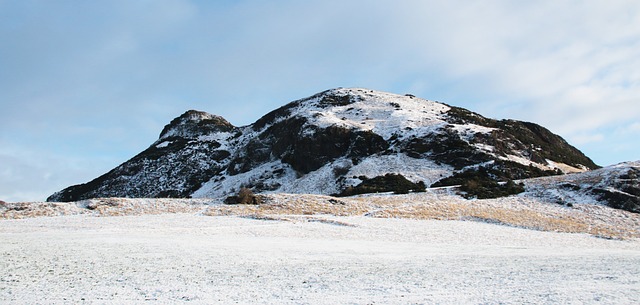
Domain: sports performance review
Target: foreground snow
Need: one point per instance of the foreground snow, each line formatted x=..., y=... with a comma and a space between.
x=319, y=259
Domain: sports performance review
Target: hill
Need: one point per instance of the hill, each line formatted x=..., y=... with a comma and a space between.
x=342, y=142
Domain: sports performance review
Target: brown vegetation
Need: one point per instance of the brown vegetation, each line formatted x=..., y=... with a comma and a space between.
x=527, y=213
x=245, y=196
x=599, y=221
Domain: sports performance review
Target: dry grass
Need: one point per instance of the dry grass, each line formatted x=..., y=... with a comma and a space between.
x=525, y=218
x=515, y=211
x=125, y=207
x=101, y=207
x=290, y=204
x=519, y=212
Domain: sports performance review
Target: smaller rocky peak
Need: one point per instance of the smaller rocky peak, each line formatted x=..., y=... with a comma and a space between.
x=195, y=115
x=194, y=123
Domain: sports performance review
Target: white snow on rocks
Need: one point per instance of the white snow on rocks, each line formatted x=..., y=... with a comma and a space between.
x=413, y=169
x=380, y=112
x=163, y=144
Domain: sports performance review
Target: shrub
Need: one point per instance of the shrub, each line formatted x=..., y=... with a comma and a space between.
x=484, y=188
x=245, y=196
x=388, y=183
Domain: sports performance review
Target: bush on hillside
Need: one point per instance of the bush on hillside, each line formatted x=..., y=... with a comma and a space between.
x=388, y=183
x=483, y=183
x=245, y=196
x=484, y=188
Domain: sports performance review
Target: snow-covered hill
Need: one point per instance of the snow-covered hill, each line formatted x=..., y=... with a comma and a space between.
x=337, y=141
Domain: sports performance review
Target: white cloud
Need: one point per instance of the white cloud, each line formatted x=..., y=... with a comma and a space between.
x=570, y=65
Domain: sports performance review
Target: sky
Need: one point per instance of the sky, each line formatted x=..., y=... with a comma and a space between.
x=86, y=85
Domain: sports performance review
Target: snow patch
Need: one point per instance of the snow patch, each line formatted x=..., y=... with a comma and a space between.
x=468, y=131
x=413, y=169
x=274, y=174
x=164, y=144
x=565, y=168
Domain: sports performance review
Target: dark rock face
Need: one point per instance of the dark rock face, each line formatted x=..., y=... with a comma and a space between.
x=305, y=150
x=333, y=132
x=445, y=147
x=307, y=154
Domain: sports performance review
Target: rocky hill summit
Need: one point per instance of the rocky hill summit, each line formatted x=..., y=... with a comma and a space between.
x=342, y=142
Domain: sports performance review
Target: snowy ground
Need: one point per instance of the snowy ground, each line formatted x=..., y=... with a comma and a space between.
x=315, y=259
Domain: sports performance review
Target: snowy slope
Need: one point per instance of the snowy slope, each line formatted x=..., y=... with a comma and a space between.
x=617, y=186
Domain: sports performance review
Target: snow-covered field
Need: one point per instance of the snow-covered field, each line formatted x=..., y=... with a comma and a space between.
x=306, y=259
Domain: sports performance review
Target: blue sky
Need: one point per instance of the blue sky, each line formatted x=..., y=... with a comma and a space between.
x=86, y=85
